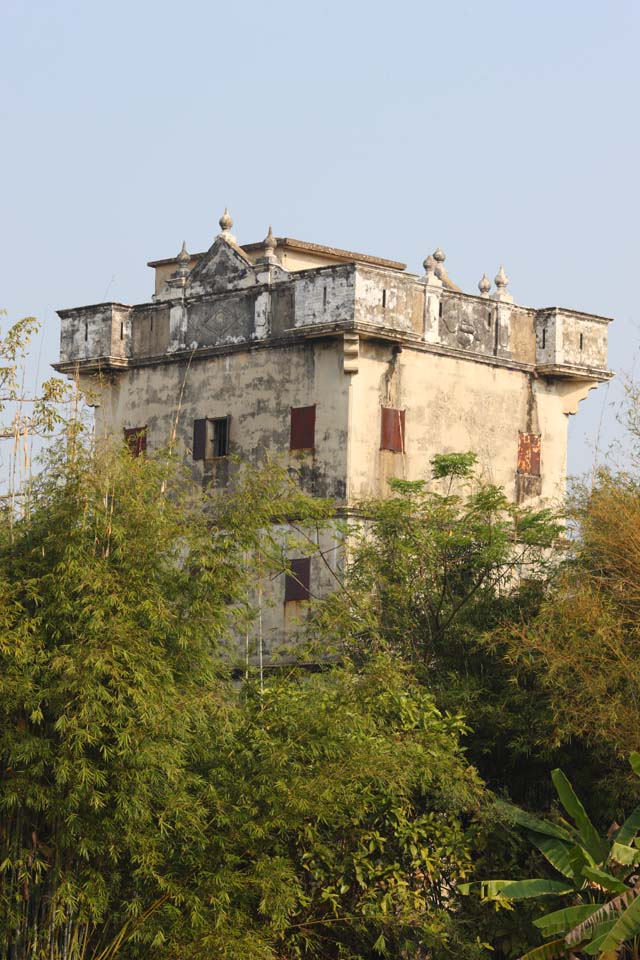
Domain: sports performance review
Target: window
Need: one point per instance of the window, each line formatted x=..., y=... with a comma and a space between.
x=529, y=454
x=210, y=438
x=392, y=430
x=384, y=299
x=303, y=428
x=296, y=585
x=136, y=439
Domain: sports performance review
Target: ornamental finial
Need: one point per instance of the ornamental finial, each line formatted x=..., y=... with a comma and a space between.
x=429, y=265
x=270, y=245
x=501, y=280
x=225, y=226
x=484, y=285
x=439, y=257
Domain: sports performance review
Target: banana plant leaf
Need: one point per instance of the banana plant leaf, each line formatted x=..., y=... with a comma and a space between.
x=560, y=921
x=599, y=933
x=523, y=889
x=529, y=822
x=548, y=951
x=630, y=827
x=604, y=879
x=634, y=760
x=559, y=855
x=626, y=927
x=595, y=844
x=623, y=854
x=515, y=889
x=607, y=911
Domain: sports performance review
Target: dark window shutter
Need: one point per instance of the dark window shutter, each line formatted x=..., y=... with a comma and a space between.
x=529, y=454
x=199, y=439
x=297, y=581
x=392, y=430
x=221, y=437
x=303, y=428
x=136, y=439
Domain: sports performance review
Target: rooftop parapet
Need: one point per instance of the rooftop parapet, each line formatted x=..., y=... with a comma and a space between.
x=235, y=295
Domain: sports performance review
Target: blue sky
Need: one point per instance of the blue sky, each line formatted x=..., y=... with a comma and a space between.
x=501, y=131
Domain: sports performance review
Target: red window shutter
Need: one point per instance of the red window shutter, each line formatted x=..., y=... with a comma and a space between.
x=199, y=439
x=303, y=428
x=296, y=586
x=392, y=430
x=136, y=439
x=529, y=454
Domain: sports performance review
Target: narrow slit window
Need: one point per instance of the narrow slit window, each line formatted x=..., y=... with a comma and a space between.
x=544, y=337
x=392, y=434
x=529, y=454
x=122, y=331
x=298, y=580
x=136, y=440
x=581, y=341
x=303, y=428
x=489, y=319
x=440, y=309
x=86, y=332
x=151, y=323
x=384, y=299
x=324, y=296
x=211, y=438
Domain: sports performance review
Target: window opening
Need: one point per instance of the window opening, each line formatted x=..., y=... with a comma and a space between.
x=298, y=579
x=303, y=428
x=210, y=438
x=440, y=309
x=384, y=299
x=136, y=440
x=529, y=454
x=581, y=341
x=86, y=332
x=544, y=337
x=122, y=331
x=324, y=297
x=392, y=433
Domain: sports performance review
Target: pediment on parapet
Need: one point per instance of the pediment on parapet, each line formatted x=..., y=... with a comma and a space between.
x=224, y=267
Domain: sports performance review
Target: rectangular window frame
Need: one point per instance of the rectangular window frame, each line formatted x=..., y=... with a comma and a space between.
x=392, y=429
x=297, y=584
x=136, y=440
x=302, y=434
x=211, y=438
x=529, y=454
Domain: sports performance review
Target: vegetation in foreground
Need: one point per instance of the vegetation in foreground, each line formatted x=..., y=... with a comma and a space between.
x=153, y=806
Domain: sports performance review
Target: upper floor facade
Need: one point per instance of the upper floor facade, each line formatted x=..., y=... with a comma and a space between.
x=341, y=363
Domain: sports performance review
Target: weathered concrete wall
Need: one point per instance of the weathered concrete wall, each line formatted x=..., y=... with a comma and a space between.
x=324, y=296
x=102, y=330
x=256, y=389
x=452, y=405
x=569, y=338
x=149, y=331
x=388, y=299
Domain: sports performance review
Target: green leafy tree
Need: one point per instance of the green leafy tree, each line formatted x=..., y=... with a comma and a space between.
x=346, y=817
x=586, y=637
x=120, y=591
x=433, y=571
x=149, y=805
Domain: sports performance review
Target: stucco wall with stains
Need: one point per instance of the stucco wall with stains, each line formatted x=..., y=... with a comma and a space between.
x=256, y=390
x=451, y=405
